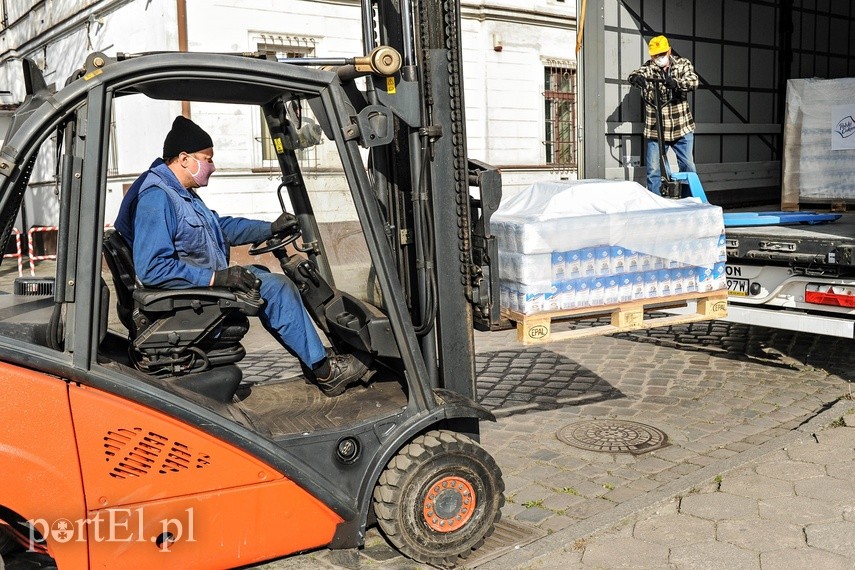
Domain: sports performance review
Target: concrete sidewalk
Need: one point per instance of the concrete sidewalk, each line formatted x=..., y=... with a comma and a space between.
x=787, y=504
x=739, y=481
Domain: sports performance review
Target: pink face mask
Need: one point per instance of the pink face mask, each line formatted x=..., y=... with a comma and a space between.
x=203, y=173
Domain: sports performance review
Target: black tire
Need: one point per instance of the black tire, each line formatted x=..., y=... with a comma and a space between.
x=439, y=471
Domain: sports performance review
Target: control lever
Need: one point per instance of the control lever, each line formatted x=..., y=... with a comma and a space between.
x=313, y=289
x=308, y=271
x=249, y=302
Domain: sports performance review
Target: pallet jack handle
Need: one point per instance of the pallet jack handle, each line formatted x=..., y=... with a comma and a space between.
x=670, y=188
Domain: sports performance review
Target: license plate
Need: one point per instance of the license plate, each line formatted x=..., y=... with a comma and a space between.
x=737, y=286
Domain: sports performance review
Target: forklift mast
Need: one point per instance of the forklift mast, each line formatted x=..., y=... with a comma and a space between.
x=446, y=254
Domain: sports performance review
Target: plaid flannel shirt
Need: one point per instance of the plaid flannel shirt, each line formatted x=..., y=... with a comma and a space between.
x=676, y=117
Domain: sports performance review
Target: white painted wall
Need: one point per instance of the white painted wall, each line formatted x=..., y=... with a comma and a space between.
x=503, y=88
x=505, y=44
x=55, y=34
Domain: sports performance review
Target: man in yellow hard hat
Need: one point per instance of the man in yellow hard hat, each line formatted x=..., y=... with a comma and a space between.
x=674, y=77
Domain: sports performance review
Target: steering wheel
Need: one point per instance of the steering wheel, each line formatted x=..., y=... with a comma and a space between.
x=277, y=242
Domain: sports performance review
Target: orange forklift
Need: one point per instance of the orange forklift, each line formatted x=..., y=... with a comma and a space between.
x=132, y=437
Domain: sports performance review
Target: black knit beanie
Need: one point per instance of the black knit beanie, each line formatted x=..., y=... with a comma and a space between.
x=185, y=136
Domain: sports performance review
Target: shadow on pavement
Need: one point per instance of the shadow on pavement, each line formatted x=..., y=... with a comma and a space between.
x=535, y=379
x=770, y=347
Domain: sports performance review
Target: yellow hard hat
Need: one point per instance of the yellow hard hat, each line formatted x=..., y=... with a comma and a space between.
x=658, y=45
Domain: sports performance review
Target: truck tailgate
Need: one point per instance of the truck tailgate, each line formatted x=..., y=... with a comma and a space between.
x=822, y=247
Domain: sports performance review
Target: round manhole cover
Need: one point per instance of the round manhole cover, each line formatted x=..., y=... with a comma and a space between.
x=613, y=436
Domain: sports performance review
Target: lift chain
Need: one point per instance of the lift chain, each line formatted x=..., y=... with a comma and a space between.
x=451, y=18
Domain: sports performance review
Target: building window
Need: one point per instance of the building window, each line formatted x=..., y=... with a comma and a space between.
x=276, y=47
x=559, y=97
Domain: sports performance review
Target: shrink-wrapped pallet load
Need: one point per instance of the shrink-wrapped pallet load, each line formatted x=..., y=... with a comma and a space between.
x=586, y=243
x=819, y=142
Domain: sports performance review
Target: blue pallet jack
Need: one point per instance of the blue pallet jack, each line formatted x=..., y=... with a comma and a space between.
x=746, y=219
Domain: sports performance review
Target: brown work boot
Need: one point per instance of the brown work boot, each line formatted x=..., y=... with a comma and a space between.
x=345, y=369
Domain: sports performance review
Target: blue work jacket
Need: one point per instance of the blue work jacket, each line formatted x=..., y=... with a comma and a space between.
x=177, y=241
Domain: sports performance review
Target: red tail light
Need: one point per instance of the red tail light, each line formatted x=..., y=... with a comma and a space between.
x=835, y=295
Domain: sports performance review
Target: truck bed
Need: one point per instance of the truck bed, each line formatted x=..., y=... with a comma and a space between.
x=825, y=248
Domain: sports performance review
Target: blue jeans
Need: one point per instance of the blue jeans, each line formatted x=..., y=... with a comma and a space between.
x=284, y=317
x=682, y=148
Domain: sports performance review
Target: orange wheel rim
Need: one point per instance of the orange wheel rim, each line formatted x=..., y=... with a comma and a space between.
x=448, y=504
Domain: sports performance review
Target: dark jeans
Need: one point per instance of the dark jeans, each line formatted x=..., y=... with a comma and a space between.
x=682, y=148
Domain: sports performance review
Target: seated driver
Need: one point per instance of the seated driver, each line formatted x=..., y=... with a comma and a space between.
x=182, y=244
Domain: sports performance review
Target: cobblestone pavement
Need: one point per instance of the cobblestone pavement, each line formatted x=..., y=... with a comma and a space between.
x=726, y=395
x=759, y=470
x=790, y=508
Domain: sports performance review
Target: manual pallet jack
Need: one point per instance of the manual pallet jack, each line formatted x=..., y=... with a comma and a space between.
x=687, y=184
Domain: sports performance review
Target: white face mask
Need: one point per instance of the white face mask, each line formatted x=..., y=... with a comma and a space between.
x=661, y=60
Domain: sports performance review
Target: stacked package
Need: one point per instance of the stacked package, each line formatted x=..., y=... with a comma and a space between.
x=574, y=244
x=816, y=117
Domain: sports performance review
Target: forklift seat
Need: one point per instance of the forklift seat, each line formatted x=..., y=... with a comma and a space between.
x=192, y=335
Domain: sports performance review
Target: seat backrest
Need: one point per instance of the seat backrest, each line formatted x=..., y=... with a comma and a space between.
x=120, y=260
x=189, y=337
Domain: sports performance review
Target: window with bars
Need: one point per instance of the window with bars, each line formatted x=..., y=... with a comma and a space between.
x=559, y=97
x=286, y=47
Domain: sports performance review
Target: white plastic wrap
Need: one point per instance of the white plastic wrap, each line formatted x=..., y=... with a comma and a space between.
x=812, y=170
x=565, y=245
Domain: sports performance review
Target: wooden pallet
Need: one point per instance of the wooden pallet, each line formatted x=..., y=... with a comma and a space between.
x=536, y=329
x=828, y=205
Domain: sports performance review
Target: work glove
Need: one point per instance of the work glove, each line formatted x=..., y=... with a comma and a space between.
x=236, y=278
x=285, y=221
x=671, y=83
x=638, y=81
